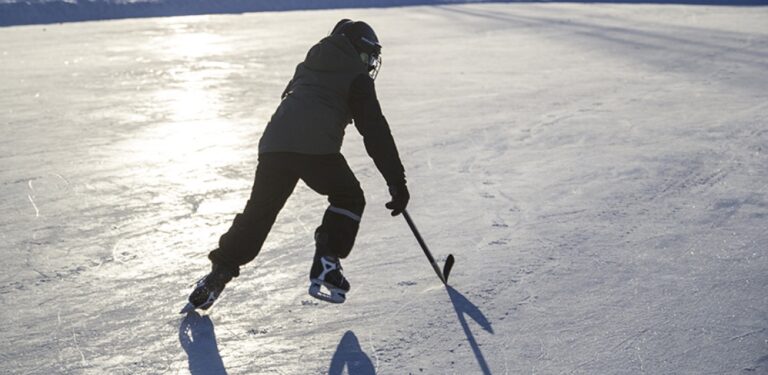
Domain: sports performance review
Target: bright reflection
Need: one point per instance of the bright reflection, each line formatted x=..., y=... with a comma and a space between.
x=189, y=144
x=185, y=42
x=188, y=98
x=196, y=71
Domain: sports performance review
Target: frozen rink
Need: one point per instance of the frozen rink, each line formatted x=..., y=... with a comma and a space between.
x=600, y=173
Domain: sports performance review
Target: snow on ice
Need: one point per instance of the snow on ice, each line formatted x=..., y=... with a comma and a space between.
x=599, y=172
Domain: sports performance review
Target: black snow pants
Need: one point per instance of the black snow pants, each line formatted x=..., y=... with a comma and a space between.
x=276, y=176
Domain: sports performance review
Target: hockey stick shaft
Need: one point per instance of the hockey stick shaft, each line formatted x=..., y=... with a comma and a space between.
x=424, y=247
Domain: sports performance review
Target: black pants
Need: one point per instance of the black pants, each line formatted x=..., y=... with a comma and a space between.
x=276, y=176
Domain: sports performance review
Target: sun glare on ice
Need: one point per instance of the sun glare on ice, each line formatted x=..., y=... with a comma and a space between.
x=189, y=140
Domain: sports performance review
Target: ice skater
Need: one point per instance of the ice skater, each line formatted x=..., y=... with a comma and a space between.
x=333, y=86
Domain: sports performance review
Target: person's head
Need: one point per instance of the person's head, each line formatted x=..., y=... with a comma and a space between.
x=365, y=41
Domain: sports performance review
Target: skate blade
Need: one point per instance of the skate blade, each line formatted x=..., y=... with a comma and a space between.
x=334, y=295
x=187, y=309
x=204, y=306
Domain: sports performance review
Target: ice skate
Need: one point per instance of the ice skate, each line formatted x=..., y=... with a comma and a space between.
x=208, y=289
x=327, y=282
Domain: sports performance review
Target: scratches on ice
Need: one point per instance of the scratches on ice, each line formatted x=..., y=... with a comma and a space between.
x=31, y=200
x=30, y=196
x=77, y=347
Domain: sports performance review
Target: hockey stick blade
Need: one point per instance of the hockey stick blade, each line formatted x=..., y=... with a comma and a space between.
x=447, y=267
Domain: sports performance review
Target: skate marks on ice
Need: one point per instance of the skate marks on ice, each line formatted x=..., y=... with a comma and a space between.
x=350, y=354
x=466, y=308
x=670, y=50
x=198, y=339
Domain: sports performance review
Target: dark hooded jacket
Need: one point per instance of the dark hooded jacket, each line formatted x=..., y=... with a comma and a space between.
x=329, y=89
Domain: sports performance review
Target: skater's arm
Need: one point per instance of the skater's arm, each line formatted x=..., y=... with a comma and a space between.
x=372, y=125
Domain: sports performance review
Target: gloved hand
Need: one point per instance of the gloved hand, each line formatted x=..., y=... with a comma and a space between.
x=399, y=200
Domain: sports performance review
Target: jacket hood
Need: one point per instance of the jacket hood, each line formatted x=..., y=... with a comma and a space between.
x=334, y=53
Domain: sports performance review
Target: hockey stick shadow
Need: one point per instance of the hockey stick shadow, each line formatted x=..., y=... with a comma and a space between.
x=350, y=353
x=198, y=339
x=466, y=308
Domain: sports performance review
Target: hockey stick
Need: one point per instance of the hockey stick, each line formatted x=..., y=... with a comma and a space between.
x=443, y=275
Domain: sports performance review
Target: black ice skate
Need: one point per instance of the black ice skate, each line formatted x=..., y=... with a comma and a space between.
x=208, y=289
x=326, y=272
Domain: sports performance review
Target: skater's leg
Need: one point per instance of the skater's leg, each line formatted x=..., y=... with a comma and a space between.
x=331, y=176
x=273, y=184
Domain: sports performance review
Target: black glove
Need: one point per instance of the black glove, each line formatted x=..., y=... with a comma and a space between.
x=399, y=200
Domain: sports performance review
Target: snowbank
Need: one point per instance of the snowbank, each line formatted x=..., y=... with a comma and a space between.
x=40, y=12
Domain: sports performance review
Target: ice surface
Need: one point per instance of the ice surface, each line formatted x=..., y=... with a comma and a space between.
x=599, y=172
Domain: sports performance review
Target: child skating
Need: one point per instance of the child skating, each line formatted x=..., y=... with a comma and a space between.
x=330, y=89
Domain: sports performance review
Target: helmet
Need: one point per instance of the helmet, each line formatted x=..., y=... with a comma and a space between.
x=365, y=41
